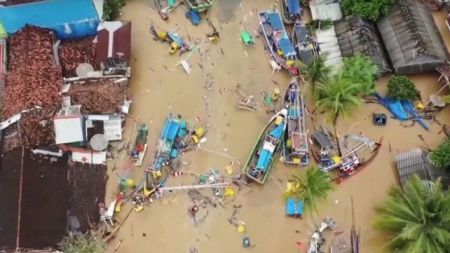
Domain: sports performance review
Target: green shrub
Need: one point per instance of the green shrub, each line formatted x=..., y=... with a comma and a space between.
x=361, y=69
x=401, y=88
x=81, y=244
x=111, y=9
x=368, y=9
x=441, y=156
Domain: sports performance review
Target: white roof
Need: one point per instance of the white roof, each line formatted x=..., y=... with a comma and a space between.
x=329, y=45
x=88, y=156
x=68, y=129
x=322, y=11
x=112, y=129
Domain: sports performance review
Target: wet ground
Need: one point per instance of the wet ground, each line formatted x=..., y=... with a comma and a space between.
x=206, y=94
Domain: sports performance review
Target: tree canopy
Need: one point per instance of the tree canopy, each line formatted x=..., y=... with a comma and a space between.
x=361, y=69
x=81, y=244
x=418, y=217
x=310, y=187
x=111, y=9
x=338, y=96
x=441, y=156
x=368, y=9
x=402, y=88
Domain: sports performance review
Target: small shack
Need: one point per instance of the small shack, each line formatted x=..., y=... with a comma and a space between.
x=411, y=38
x=325, y=10
x=413, y=162
x=356, y=35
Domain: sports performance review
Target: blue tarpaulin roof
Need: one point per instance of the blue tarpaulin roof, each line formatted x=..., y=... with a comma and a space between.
x=294, y=207
x=275, y=20
x=265, y=157
x=286, y=46
x=69, y=19
x=293, y=6
x=278, y=131
x=170, y=129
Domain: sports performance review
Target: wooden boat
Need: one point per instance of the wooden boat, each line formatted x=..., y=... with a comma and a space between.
x=140, y=146
x=291, y=11
x=354, y=159
x=166, y=6
x=199, y=5
x=303, y=43
x=278, y=42
x=295, y=148
x=260, y=161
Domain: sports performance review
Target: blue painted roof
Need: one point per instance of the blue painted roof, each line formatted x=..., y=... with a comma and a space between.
x=170, y=129
x=265, y=157
x=294, y=207
x=275, y=20
x=293, y=6
x=68, y=18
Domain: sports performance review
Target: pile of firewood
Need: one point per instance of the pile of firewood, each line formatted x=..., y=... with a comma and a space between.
x=73, y=53
x=33, y=80
x=98, y=97
x=36, y=127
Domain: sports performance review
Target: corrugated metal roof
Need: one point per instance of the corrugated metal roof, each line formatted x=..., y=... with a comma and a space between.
x=413, y=162
x=324, y=11
x=329, y=46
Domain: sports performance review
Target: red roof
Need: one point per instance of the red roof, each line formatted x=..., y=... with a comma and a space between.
x=120, y=46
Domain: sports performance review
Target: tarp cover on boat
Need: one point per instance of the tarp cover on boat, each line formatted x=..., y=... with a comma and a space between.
x=170, y=129
x=275, y=20
x=278, y=131
x=265, y=157
x=286, y=47
x=68, y=18
x=293, y=6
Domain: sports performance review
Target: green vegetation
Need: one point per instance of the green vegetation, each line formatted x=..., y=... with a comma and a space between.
x=319, y=25
x=338, y=96
x=368, y=9
x=418, y=217
x=310, y=188
x=315, y=72
x=111, y=9
x=441, y=156
x=401, y=88
x=361, y=69
x=81, y=244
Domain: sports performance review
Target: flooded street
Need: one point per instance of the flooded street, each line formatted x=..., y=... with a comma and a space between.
x=207, y=96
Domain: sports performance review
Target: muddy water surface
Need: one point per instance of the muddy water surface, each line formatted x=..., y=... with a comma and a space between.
x=160, y=87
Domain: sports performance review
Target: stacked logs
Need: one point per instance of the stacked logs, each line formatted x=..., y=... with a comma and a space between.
x=33, y=85
x=73, y=53
x=100, y=97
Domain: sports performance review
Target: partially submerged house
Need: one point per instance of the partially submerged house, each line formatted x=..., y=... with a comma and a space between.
x=411, y=38
x=415, y=162
x=329, y=46
x=356, y=35
x=325, y=10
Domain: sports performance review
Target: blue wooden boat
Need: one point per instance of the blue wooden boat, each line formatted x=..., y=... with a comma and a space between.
x=305, y=46
x=295, y=148
x=291, y=11
x=258, y=165
x=277, y=40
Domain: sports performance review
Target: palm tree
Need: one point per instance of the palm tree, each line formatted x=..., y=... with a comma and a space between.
x=338, y=96
x=418, y=217
x=361, y=69
x=315, y=72
x=310, y=187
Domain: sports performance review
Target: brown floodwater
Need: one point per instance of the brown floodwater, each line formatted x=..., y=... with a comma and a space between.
x=159, y=87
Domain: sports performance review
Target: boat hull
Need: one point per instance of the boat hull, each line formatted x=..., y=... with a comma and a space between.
x=295, y=150
x=250, y=166
x=303, y=43
x=288, y=19
x=203, y=6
